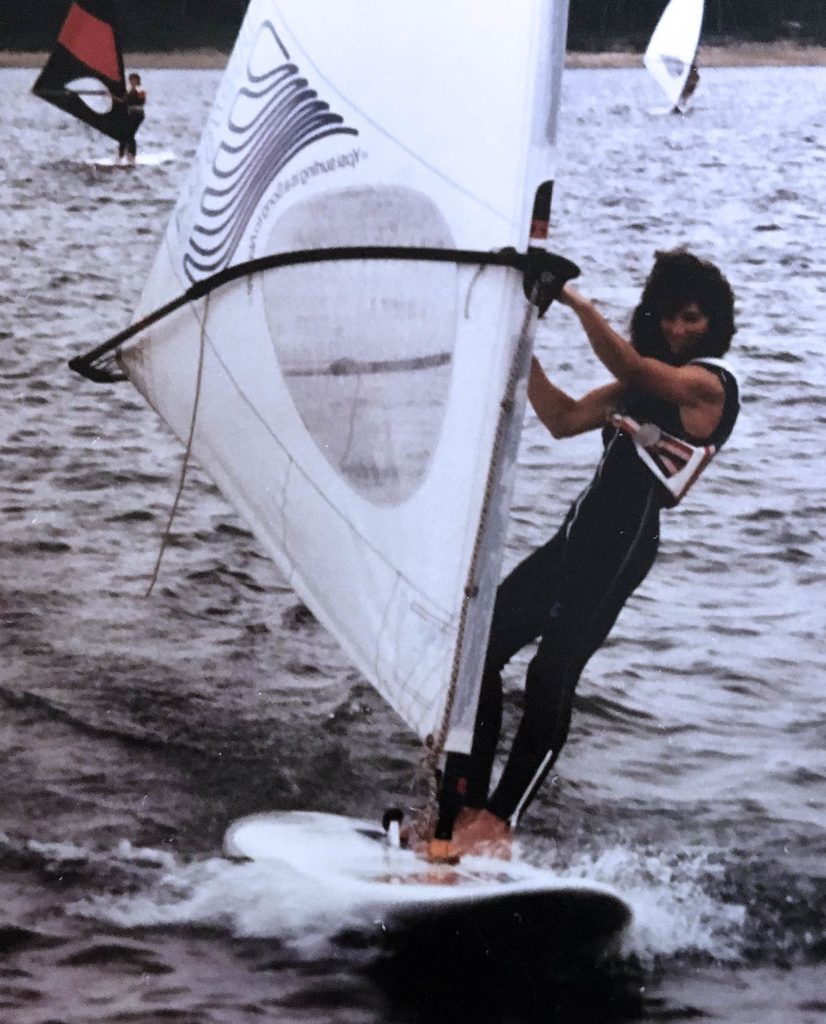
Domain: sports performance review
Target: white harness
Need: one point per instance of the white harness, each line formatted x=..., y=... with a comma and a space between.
x=674, y=462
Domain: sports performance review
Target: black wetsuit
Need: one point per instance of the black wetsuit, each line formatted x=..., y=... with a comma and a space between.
x=568, y=594
x=132, y=115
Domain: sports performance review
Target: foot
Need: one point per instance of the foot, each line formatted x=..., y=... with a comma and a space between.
x=478, y=833
x=466, y=817
x=419, y=835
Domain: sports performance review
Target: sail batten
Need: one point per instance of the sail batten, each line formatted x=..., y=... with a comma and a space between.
x=358, y=216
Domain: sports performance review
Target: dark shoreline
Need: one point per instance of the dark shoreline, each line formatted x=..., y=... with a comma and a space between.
x=779, y=54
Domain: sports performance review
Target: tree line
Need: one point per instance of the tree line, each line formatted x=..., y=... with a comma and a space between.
x=594, y=24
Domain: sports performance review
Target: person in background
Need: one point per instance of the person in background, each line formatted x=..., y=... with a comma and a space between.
x=671, y=404
x=131, y=105
x=691, y=83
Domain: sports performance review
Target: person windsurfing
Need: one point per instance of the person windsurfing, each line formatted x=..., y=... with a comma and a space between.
x=671, y=405
x=131, y=105
x=691, y=83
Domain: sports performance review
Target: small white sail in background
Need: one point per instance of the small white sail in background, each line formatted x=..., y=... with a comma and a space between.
x=352, y=411
x=673, y=46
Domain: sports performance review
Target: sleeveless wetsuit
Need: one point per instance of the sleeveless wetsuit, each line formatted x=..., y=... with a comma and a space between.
x=569, y=593
x=132, y=117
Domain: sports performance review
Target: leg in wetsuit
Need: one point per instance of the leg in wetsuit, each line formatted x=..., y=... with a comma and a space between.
x=568, y=593
x=127, y=146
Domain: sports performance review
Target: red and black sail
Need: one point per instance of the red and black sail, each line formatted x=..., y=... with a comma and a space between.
x=87, y=50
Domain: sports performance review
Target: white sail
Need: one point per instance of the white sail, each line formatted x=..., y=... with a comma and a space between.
x=673, y=46
x=351, y=410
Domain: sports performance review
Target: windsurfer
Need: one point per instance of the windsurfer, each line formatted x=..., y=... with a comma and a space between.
x=691, y=83
x=569, y=592
x=131, y=105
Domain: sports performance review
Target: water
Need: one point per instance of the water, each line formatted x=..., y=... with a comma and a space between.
x=134, y=730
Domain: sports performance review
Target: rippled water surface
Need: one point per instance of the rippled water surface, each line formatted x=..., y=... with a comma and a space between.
x=134, y=730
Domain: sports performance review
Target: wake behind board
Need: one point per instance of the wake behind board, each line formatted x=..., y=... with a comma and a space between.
x=500, y=906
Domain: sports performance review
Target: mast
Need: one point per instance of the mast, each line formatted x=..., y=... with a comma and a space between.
x=551, y=25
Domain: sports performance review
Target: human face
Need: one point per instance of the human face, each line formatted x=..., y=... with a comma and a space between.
x=684, y=327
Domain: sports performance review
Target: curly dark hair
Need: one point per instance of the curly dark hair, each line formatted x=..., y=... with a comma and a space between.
x=678, y=279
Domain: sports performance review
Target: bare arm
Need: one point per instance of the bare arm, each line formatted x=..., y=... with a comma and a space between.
x=695, y=390
x=563, y=415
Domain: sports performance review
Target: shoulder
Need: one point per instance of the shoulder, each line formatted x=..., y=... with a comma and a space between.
x=713, y=364
x=688, y=384
x=721, y=369
x=731, y=397
x=706, y=380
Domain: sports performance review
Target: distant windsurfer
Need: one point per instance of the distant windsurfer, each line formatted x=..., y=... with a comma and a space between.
x=131, y=105
x=691, y=83
x=669, y=383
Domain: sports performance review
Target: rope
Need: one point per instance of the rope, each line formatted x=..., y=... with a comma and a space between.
x=185, y=465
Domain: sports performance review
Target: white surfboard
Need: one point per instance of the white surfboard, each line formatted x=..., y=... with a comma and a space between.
x=149, y=159
x=502, y=903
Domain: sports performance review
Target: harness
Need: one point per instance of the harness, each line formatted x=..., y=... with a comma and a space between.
x=673, y=461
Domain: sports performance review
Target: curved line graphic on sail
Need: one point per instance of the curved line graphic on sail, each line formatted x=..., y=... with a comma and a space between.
x=287, y=117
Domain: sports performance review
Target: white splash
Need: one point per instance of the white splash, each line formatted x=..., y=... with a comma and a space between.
x=668, y=892
x=249, y=900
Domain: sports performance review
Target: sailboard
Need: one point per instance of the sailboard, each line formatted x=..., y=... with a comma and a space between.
x=151, y=158
x=336, y=326
x=672, y=49
x=504, y=907
x=85, y=68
